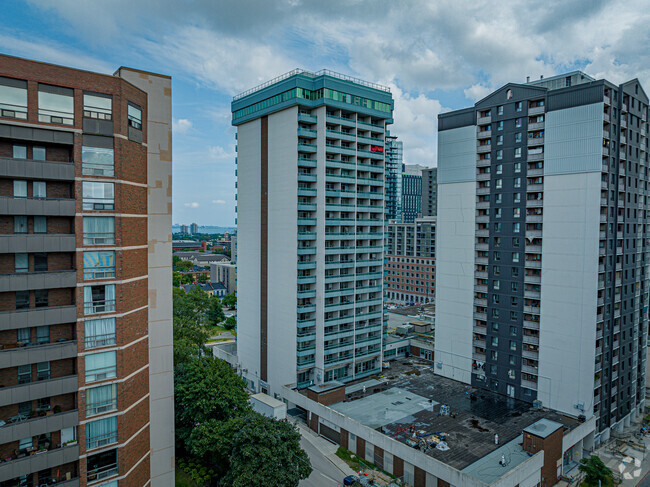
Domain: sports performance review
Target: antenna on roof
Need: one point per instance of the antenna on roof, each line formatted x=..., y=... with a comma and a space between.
x=527, y=79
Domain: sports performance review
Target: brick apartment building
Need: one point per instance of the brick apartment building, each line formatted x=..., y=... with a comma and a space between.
x=410, y=270
x=85, y=277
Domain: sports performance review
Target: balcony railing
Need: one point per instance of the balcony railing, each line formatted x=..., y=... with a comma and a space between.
x=101, y=373
x=91, y=273
x=97, y=341
x=103, y=472
x=101, y=440
x=99, y=238
x=101, y=407
x=99, y=306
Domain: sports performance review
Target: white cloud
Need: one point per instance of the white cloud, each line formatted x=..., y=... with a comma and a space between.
x=477, y=92
x=219, y=202
x=192, y=204
x=181, y=126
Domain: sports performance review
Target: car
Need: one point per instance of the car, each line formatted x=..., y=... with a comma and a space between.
x=351, y=480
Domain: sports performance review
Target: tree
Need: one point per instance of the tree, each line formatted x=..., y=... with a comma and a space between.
x=215, y=311
x=595, y=470
x=187, y=278
x=230, y=323
x=175, y=260
x=203, y=278
x=206, y=388
x=176, y=278
x=184, y=265
x=189, y=320
x=230, y=300
x=264, y=452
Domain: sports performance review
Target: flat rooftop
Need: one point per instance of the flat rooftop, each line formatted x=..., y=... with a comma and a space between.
x=410, y=395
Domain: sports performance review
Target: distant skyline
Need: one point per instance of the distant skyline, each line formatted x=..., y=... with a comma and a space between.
x=435, y=56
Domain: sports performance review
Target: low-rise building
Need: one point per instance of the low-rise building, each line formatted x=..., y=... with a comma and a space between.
x=212, y=288
x=201, y=258
x=410, y=271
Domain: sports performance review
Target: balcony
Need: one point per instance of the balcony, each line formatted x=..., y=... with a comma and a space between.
x=25, y=318
x=33, y=353
x=37, y=280
x=40, y=461
x=484, y=134
x=48, y=423
x=535, y=126
x=10, y=205
x=31, y=169
x=37, y=242
x=534, y=141
x=537, y=156
x=37, y=390
x=482, y=149
x=535, y=111
x=483, y=120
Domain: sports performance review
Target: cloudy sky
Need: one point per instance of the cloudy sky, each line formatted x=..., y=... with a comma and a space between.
x=436, y=55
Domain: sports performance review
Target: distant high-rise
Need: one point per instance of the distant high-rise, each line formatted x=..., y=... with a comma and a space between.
x=430, y=191
x=310, y=217
x=194, y=228
x=184, y=229
x=542, y=251
x=393, y=152
x=85, y=277
x=411, y=197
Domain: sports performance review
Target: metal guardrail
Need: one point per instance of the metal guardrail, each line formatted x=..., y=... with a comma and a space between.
x=325, y=72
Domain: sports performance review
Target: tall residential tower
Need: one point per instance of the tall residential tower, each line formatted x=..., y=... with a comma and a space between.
x=310, y=216
x=85, y=276
x=542, y=285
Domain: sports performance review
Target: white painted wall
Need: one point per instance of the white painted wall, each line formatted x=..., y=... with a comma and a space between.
x=569, y=291
x=248, y=249
x=282, y=248
x=455, y=279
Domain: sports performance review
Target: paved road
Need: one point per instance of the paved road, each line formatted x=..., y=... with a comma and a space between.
x=325, y=473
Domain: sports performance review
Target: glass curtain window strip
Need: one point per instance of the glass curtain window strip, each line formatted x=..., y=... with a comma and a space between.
x=39, y=189
x=19, y=152
x=99, y=299
x=102, y=399
x=98, y=196
x=20, y=188
x=99, y=264
x=40, y=224
x=99, y=333
x=43, y=334
x=43, y=371
x=98, y=230
x=39, y=153
x=13, y=98
x=97, y=161
x=101, y=432
x=21, y=263
x=20, y=224
x=23, y=335
x=96, y=106
x=101, y=366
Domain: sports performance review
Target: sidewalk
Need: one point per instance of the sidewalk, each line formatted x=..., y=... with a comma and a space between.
x=327, y=448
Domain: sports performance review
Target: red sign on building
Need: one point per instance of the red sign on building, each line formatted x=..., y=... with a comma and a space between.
x=376, y=148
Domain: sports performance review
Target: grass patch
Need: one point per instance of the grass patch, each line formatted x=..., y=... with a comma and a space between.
x=183, y=480
x=214, y=329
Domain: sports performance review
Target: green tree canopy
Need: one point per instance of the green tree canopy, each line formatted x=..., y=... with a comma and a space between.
x=229, y=300
x=265, y=452
x=215, y=311
x=230, y=323
x=595, y=470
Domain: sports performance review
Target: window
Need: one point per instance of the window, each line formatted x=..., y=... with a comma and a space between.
x=495, y=326
x=41, y=298
x=500, y=109
x=99, y=265
x=99, y=333
x=495, y=341
x=518, y=106
x=495, y=298
x=20, y=189
x=25, y=408
x=500, y=125
x=515, y=241
x=25, y=444
x=98, y=230
x=494, y=355
x=516, y=227
x=497, y=270
x=24, y=374
x=101, y=432
x=99, y=299
x=39, y=154
x=21, y=263
x=101, y=399
x=515, y=287
x=516, y=198
x=518, y=122
x=515, y=256
x=23, y=335
x=43, y=371
x=497, y=227
x=98, y=106
x=499, y=154
x=500, y=140
x=518, y=152
x=498, y=198
x=496, y=285
x=516, y=212
x=39, y=189
x=22, y=299
x=135, y=116
x=498, y=183
x=43, y=334
x=515, y=273
x=517, y=166
x=55, y=104
x=499, y=168
x=20, y=152
x=495, y=313
x=517, y=183
x=497, y=213
x=98, y=196
x=40, y=224
x=40, y=262
x=518, y=137
x=497, y=255
x=513, y=344
x=100, y=366
x=43, y=404
x=98, y=159
x=13, y=98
